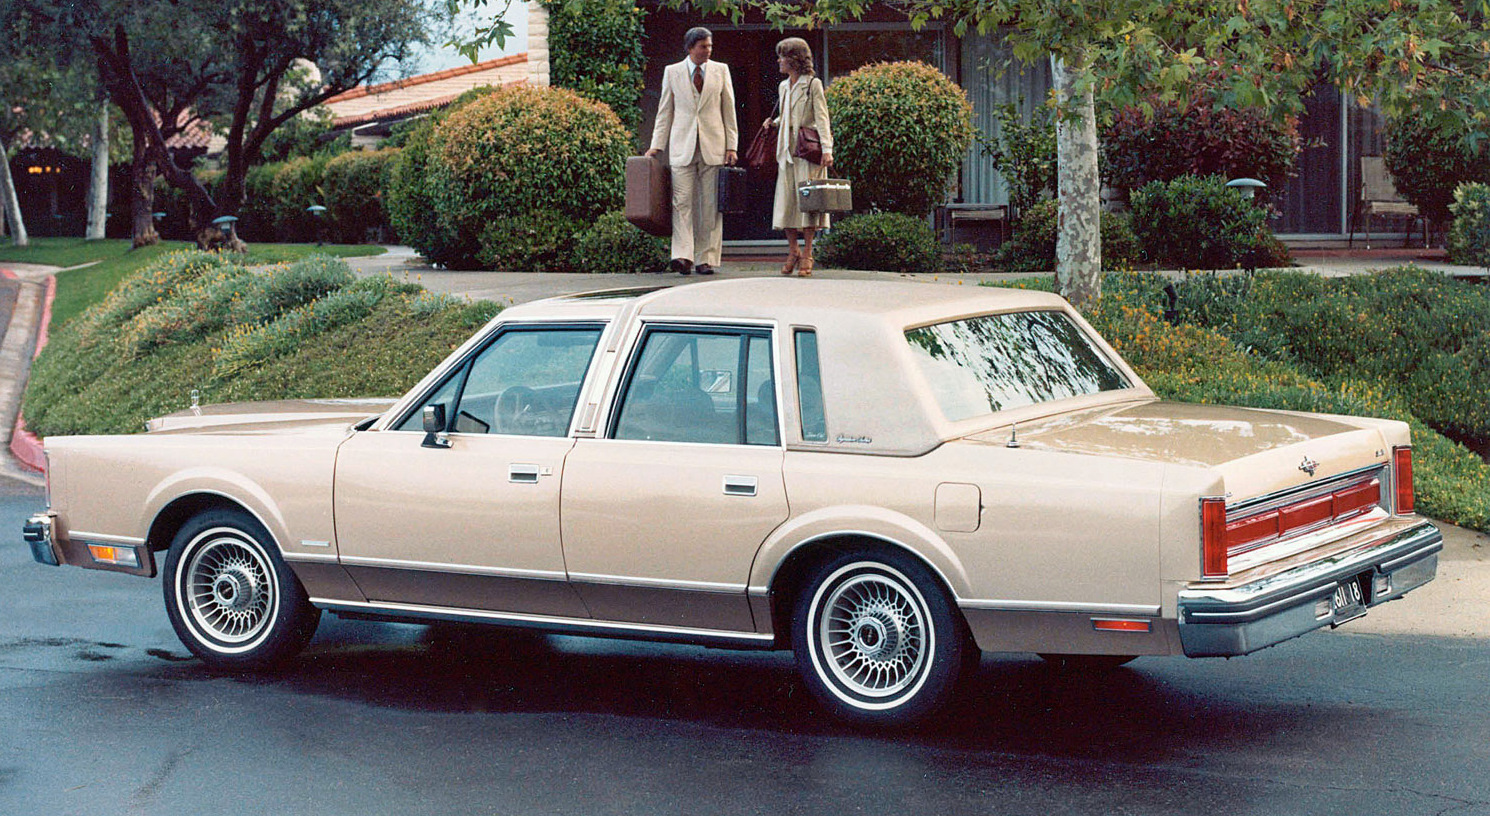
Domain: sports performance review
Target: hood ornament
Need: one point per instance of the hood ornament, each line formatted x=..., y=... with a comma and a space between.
x=1308, y=466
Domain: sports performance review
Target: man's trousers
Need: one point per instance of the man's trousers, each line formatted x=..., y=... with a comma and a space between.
x=698, y=228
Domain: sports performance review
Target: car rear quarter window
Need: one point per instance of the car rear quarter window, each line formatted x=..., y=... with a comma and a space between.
x=993, y=363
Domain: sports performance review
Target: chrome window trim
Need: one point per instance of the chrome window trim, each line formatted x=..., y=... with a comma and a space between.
x=463, y=569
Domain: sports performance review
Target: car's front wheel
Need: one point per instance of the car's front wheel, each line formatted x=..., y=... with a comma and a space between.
x=230, y=597
x=878, y=640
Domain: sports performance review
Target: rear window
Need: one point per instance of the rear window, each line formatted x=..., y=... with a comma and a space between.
x=997, y=362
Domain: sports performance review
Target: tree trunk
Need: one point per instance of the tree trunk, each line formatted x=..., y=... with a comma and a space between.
x=98, y=188
x=142, y=196
x=1078, y=243
x=11, y=202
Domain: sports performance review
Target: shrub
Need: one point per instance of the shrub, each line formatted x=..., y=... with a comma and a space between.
x=256, y=216
x=1174, y=139
x=1032, y=246
x=1428, y=162
x=889, y=242
x=901, y=130
x=612, y=245
x=353, y=185
x=595, y=49
x=249, y=344
x=151, y=285
x=1024, y=154
x=411, y=206
x=525, y=149
x=296, y=186
x=1469, y=237
x=1197, y=222
x=538, y=241
x=194, y=311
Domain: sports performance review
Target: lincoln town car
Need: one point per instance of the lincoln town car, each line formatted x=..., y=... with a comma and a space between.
x=887, y=479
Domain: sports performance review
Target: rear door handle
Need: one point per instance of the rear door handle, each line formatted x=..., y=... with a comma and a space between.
x=739, y=485
x=523, y=474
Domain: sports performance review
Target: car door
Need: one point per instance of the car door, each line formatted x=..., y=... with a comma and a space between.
x=664, y=512
x=471, y=519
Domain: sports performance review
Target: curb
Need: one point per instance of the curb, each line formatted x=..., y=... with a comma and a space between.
x=24, y=445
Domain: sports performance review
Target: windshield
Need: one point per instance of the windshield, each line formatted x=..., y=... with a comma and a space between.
x=997, y=362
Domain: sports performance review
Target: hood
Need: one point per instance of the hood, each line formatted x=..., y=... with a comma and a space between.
x=279, y=415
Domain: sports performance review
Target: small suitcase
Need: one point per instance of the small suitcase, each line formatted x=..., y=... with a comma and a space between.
x=649, y=195
x=732, y=190
x=825, y=196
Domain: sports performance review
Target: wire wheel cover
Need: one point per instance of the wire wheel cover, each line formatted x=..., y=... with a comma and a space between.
x=873, y=635
x=229, y=590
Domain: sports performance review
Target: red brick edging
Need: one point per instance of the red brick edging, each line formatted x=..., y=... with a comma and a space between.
x=23, y=444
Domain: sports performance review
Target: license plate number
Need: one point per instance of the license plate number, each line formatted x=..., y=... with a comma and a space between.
x=1348, y=602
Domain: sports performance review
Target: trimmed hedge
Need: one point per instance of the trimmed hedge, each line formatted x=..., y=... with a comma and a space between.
x=612, y=245
x=1428, y=163
x=1469, y=236
x=900, y=132
x=353, y=185
x=1195, y=222
x=1032, y=246
x=595, y=49
x=889, y=242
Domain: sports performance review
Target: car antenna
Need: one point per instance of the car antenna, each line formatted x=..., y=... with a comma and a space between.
x=1013, y=435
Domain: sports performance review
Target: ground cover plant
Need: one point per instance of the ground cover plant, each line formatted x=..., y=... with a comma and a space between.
x=113, y=261
x=197, y=321
x=1190, y=362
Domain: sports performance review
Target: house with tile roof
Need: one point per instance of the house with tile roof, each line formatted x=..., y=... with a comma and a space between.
x=370, y=111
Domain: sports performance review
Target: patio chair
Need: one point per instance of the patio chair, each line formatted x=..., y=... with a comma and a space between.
x=1380, y=197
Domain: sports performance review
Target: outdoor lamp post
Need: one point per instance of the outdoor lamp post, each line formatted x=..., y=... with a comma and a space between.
x=319, y=213
x=1248, y=186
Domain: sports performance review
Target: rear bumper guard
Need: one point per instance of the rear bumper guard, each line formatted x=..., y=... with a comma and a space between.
x=1242, y=619
x=38, y=534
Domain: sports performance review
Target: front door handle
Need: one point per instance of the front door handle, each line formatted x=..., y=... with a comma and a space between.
x=739, y=485
x=523, y=474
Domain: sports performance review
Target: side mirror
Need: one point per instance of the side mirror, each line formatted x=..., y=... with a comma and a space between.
x=434, y=427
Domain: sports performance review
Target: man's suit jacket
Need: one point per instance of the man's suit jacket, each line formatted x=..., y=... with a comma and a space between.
x=691, y=122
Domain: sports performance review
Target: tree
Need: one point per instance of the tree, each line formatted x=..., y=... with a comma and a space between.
x=1261, y=53
x=246, y=68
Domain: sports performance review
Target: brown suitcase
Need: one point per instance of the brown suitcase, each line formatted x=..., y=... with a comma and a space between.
x=825, y=196
x=649, y=195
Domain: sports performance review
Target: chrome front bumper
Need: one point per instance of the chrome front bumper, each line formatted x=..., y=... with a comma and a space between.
x=38, y=534
x=1242, y=619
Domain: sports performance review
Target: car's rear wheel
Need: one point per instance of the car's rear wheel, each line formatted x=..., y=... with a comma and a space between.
x=230, y=597
x=877, y=639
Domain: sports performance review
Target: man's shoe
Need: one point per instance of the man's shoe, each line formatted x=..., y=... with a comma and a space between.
x=704, y=269
x=682, y=266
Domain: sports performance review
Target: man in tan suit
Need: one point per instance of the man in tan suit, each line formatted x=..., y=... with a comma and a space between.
x=696, y=126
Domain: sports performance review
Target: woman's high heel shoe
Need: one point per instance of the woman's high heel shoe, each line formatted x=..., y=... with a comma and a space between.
x=804, y=267
x=791, y=263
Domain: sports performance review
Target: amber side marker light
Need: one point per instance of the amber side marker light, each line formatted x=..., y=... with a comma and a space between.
x=122, y=556
x=1213, y=538
x=1402, y=475
x=1118, y=625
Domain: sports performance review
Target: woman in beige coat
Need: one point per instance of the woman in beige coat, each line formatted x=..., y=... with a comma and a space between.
x=801, y=103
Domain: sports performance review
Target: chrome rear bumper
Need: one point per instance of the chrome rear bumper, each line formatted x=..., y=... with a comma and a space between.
x=1242, y=619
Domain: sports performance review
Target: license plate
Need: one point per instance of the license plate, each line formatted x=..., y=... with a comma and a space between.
x=1348, y=603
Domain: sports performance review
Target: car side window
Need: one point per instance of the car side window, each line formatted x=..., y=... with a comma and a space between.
x=526, y=382
x=700, y=386
x=810, y=388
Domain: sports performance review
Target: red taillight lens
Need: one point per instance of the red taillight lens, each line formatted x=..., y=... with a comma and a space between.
x=1402, y=475
x=1213, y=538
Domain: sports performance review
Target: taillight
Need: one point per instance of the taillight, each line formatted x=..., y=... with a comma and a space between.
x=1213, y=538
x=1402, y=475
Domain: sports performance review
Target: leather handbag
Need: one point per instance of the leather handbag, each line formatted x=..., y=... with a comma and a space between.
x=762, y=150
x=809, y=141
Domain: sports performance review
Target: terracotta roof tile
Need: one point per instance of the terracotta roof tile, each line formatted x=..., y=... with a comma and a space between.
x=369, y=90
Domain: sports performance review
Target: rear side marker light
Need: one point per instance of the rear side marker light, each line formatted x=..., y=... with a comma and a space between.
x=119, y=556
x=1213, y=538
x=1120, y=625
x=1402, y=476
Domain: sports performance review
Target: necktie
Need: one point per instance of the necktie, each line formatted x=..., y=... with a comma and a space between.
x=698, y=78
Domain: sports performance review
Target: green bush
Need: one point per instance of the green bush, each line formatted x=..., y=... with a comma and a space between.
x=1198, y=222
x=353, y=184
x=1469, y=236
x=612, y=245
x=1165, y=140
x=256, y=216
x=538, y=241
x=1428, y=162
x=1032, y=246
x=889, y=242
x=297, y=186
x=151, y=285
x=595, y=49
x=900, y=132
x=411, y=206
x=249, y=344
x=523, y=150
x=1024, y=154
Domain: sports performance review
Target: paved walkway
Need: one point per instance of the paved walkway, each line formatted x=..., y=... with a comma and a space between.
x=521, y=287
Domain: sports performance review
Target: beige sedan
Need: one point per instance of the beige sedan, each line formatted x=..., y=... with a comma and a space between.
x=887, y=479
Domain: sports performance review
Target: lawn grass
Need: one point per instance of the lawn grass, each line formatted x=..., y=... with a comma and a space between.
x=78, y=289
